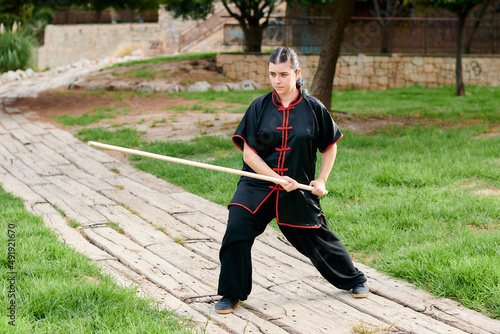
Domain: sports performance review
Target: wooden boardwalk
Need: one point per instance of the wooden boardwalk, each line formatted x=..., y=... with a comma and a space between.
x=168, y=242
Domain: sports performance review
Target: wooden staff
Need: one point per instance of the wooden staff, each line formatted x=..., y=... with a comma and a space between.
x=196, y=164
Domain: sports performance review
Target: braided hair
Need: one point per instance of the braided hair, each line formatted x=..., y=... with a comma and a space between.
x=286, y=54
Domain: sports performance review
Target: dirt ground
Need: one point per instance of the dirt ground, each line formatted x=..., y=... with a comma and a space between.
x=152, y=114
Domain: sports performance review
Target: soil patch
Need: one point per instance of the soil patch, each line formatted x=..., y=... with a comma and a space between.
x=160, y=116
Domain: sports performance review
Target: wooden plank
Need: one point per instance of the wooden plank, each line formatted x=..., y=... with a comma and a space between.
x=22, y=172
x=155, y=198
x=8, y=123
x=145, y=179
x=55, y=143
x=206, y=249
x=173, y=227
x=402, y=317
x=98, y=155
x=3, y=131
x=240, y=321
x=12, y=145
x=142, y=261
x=157, y=242
x=69, y=235
x=19, y=188
x=11, y=110
x=91, y=181
x=80, y=191
x=64, y=136
x=4, y=153
x=445, y=310
x=190, y=262
x=207, y=225
x=88, y=164
x=213, y=210
x=40, y=166
x=43, y=125
x=128, y=278
x=47, y=154
x=305, y=305
x=18, y=118
x=73, y=207
x=23, y=136
x=33, y=129
x=267, y=273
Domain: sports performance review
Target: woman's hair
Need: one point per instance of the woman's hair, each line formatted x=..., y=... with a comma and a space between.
x=286, y=54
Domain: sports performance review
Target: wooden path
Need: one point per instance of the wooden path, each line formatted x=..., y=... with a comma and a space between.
x=168, y=242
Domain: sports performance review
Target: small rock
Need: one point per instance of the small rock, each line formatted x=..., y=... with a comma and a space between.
x=96, y=86
x=232, y=86
x=249, y=85
x=145, y=87
x=29, y=72
x=200, y=86
x=222, y=88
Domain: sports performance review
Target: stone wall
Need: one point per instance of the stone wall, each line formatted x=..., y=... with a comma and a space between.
x=70, y=43
x=67, y=44
x=374, y=72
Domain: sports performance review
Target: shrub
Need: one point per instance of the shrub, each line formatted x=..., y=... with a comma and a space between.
x=15, y=50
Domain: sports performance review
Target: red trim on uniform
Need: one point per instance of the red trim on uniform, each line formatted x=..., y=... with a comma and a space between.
x=282, y=149
x=280, y=169
x=326, y=149
x=298, y=226
x=241, y=148
x=258, y=207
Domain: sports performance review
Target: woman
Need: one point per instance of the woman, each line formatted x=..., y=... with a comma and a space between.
x=279, y=135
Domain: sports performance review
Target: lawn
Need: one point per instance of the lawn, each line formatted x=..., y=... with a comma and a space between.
x=57, y=290
x=407, y=200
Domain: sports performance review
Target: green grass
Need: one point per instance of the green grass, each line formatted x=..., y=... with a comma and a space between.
x=95, y=116
x=184, y=56
x=479, y=103
x=140, y=72
x=120, y=137
x=402, y=198
x=240, y=97
x=60, y=291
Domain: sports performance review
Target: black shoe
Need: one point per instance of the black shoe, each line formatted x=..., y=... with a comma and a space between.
x=226, y=305
x=360, y=291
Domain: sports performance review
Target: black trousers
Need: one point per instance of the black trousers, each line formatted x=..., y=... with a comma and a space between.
x=320, y=245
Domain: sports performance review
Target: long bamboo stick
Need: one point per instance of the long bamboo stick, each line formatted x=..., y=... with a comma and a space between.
x=196, y=164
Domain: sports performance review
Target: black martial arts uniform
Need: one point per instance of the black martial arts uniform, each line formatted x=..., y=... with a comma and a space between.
x=287, y=139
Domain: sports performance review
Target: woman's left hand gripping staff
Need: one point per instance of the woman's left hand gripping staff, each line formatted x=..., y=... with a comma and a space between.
x=319, y=187
x=326, y=167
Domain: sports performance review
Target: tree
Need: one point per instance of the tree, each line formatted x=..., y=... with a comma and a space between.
x=341, y=12
x=478, y=15
x=383, y=9
x=252, y=15
x=462, y=8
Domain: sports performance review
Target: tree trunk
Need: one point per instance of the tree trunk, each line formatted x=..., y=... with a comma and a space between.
x=253, y=37
x=387, y=38
x=458, y=67
x=480, y=15
x=341, y=11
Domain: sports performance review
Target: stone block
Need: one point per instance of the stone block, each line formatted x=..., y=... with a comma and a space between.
x=418, y=61
x=428, y=68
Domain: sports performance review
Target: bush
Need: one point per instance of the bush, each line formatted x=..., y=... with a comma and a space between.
x=15, y=50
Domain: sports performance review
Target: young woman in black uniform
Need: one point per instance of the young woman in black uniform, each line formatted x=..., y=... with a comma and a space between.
x=279, y=135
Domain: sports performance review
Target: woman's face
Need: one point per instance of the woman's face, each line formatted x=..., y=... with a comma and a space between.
x=283, y=78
